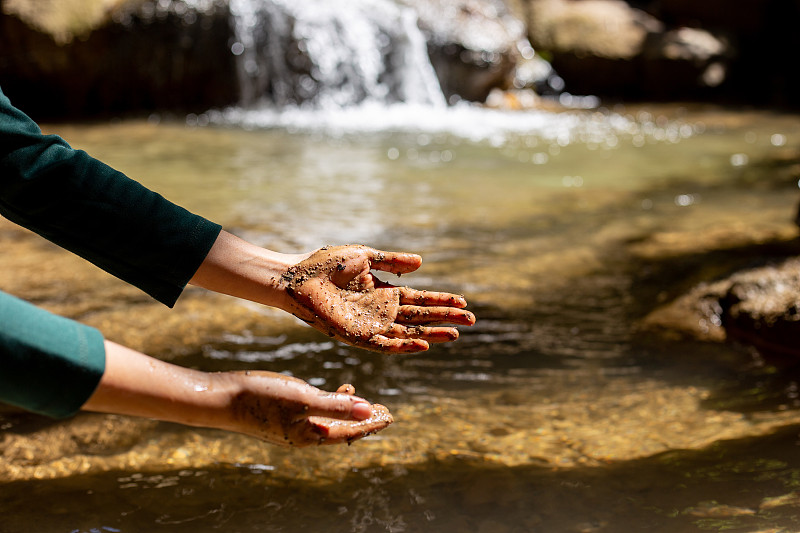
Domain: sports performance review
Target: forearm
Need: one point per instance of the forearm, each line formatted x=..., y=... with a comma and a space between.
x=95, y=211
x=138, y=385
x=273, y=407
x=239, y=268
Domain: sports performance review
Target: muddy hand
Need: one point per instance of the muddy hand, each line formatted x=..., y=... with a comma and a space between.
x=335, y=291
x=289, y=412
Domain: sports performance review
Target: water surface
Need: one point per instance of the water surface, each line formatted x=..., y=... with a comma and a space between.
x=556, y=412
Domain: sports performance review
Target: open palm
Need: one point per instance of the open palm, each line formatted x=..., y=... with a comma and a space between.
x=335, y=291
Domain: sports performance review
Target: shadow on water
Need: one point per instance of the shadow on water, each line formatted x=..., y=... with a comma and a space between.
x=755, y=483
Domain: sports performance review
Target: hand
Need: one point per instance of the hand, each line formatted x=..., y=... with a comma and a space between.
x=273, y=407
x=287, y=411
x=334, y=290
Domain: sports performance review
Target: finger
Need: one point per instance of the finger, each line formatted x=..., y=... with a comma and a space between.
x=394, y=262
x=414, y=314
x=416, y=297
x=429, y=334
x=339, y=406
x=329, y=431
x=346, y=389
x=384, y=344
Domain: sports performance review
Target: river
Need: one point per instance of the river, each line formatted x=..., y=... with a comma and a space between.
x=556, y=412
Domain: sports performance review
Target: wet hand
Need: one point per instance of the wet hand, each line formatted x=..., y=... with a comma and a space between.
x=289, y=412
x=334, y=290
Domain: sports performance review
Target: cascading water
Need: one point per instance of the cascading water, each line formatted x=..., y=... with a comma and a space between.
x=362, y=66
x=330, y=54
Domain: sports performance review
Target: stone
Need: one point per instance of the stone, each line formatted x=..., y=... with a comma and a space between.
x=142, y=56
x=474, y=45
x=758, y=306
x=607, y=47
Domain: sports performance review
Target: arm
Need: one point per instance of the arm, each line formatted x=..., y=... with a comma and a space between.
x=135, y=234
x=334, y=290
x=273, y=407
x=89, y=208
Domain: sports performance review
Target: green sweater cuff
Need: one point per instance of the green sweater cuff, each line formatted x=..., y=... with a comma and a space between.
x=48, y=364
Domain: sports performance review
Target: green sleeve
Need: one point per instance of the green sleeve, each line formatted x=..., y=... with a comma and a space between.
x=48, y=364
x=89, y=208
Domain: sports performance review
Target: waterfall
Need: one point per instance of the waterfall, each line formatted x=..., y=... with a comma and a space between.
x=331, y=54
x=361, y=66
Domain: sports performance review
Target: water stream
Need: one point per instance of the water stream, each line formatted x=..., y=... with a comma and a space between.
x=554, y=413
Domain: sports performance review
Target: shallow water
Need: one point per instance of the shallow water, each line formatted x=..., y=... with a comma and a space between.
x=556, y=412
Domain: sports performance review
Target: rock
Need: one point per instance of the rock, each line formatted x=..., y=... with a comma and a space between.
x=142, y=56
x=759, y=306
x=63, y=20
x=608, y=29
x=683, y=61
x=762, y=307
x=474, y=45
x=608, y=48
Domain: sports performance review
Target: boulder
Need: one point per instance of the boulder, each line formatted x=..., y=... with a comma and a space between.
x=762, y=307
x=684, y=61
x=141, y=56
x=608, y=48
x=474, y=45
x=758, y=306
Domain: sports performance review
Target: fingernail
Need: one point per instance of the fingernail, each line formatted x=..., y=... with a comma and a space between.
x=361, y=410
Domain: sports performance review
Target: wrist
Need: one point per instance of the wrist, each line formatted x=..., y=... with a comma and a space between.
x=244, y=270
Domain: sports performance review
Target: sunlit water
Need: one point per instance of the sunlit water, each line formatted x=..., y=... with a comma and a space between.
x=554, y=413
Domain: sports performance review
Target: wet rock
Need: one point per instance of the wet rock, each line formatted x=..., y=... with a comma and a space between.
x=474, y=45
x=762, y=307
x=759, y=306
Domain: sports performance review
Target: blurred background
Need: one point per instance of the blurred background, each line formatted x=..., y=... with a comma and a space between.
x=98, y=57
